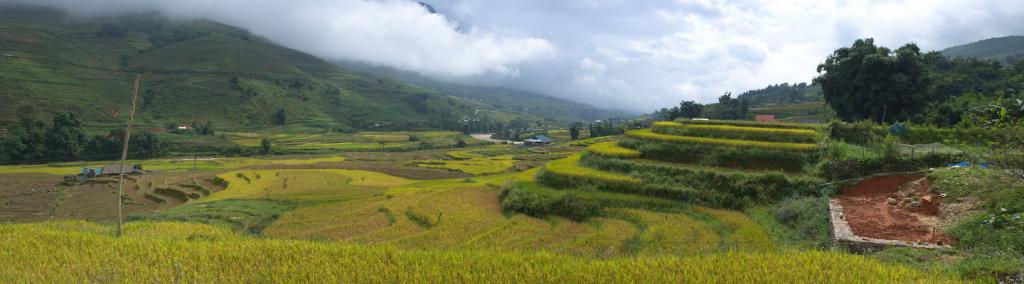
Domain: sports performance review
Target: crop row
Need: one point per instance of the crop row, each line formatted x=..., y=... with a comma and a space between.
x=736, y=132
x=788, y=125
x=612, y=150
x=647, y=134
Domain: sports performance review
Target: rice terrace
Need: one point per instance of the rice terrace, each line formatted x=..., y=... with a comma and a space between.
x=412, y=142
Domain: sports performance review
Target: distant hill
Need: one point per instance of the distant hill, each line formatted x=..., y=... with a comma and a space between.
x=1004, y=49
x=198, y=70
x=783, y=94
x=497, y=98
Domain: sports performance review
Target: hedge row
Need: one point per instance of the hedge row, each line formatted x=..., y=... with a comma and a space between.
x=719, y=156
x=736, y=132
x=612, y=149
x=752, y=123
x=537, y=200
x=867, y=133
x=854, y=168
x=646, y=134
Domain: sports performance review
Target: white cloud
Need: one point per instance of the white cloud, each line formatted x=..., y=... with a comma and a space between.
x=394, y=33
x=637, y=55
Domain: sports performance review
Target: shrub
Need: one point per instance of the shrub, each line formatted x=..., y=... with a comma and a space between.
x=611, y=149
x=858, y=167
x=530, y=201
x=807, y=217
x=646, y=134
x=736, y=132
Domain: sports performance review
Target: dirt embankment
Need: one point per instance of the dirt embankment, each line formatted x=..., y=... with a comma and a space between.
x=901, y=207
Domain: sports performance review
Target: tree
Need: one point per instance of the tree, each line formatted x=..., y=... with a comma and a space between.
x=689, y=109
x=865, y=81
x=265, y=146
x=65, y=138
x=146, y=145
x=280, y=117
x=206, y=129
x=574, y=130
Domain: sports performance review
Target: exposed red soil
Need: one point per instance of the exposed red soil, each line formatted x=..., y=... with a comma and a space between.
x=894, y=208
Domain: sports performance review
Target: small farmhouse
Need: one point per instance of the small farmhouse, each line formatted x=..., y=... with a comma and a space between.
x=539, y=140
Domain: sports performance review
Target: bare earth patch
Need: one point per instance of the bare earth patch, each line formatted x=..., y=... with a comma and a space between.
x=894, y=208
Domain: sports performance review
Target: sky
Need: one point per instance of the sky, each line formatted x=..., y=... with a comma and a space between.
x=633, y=55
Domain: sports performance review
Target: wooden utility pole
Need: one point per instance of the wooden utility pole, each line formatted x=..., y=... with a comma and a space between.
x=124, y=156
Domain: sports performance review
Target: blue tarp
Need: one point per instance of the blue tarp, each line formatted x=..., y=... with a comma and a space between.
x=966, y=165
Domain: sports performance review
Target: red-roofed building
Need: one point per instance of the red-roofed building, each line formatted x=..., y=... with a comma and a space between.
x=765, y=118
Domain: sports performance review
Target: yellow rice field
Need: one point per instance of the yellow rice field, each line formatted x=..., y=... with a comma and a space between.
x=646, y=134
x=612, y=149
x=53, y=252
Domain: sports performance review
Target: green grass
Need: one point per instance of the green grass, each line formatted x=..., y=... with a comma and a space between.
x=250, y=216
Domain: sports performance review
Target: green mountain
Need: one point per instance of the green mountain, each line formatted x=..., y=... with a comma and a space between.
x=498, y=98
x=1004, y=49
x=197, y=71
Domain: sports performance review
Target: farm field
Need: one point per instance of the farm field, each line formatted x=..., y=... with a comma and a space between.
x=83, y=252
x=613, y=200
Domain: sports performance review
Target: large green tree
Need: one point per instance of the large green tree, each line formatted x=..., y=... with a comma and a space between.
x=865, y=81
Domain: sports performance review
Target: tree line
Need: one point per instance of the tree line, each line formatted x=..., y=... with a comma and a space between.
x=64, y=139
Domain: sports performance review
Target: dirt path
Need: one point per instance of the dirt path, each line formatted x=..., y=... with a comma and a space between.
x=894, y=208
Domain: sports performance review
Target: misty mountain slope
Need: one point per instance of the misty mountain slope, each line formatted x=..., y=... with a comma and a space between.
x=194, y=71
x=1004, y=49
x=497, y=98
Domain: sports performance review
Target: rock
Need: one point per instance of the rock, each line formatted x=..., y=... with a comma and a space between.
x=891, y=201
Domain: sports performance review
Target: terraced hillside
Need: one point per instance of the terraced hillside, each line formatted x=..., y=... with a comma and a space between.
x=682, y=170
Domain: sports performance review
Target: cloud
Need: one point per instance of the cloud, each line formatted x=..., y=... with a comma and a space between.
x=623, y=54
x=400, y=34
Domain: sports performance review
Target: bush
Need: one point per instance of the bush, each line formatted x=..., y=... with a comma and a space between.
x=736, y=132
x=859, y=167
x=807, y=217
x=527, y=200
